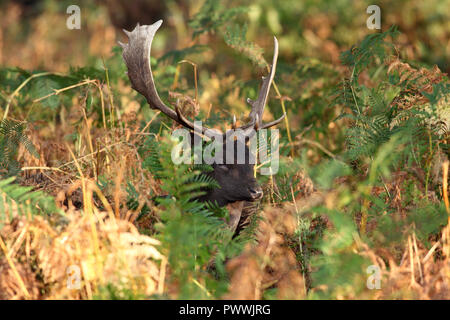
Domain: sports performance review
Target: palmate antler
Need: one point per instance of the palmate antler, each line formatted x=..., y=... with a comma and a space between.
x=136, y=54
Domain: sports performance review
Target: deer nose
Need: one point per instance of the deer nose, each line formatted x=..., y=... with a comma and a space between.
x=256, y=193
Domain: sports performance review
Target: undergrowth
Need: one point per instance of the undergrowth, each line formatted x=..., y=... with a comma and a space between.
x=88, y=185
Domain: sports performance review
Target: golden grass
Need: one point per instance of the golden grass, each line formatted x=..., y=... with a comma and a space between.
x=38, y=255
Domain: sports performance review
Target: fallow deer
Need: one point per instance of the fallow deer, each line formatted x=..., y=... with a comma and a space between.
x=237, y=181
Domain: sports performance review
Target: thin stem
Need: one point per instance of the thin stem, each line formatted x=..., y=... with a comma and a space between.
x=23, y=84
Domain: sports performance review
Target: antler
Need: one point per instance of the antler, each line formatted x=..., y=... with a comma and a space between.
x=136, y=54
x=258, y=105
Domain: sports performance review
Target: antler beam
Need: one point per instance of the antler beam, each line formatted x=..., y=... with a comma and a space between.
x=136, y=54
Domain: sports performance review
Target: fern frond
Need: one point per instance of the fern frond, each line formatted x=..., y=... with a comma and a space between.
x=212, y=16
x=12, y=134
x=235, y=38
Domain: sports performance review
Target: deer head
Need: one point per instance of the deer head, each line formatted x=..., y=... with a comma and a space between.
x=236, y=180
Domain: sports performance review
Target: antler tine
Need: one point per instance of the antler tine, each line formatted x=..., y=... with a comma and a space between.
x=273, y=123
x=258, y=106
x=137, y=58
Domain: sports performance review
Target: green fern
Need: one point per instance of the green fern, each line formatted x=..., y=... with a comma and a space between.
x=192, y=233
x=373, y=48
x=149, y=151
x=212, y=16
x=16, y=199
x=12, y=134
x=235, y=38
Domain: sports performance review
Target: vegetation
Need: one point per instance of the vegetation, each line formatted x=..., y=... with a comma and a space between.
x=92, y=207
